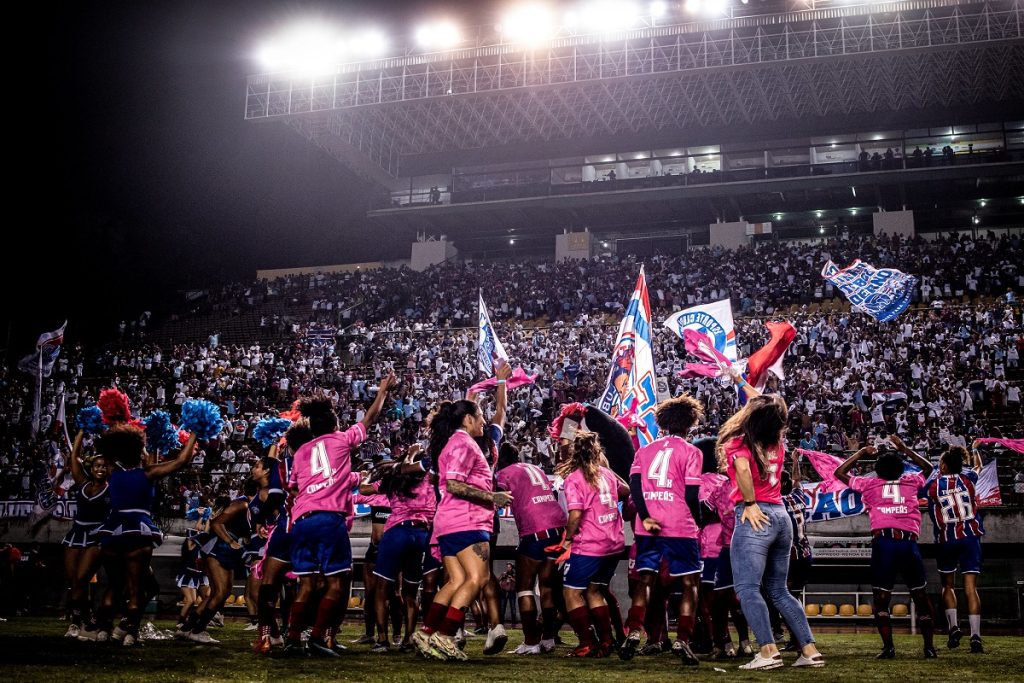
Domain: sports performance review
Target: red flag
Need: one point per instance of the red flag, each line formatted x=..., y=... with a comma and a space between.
x=769, y=356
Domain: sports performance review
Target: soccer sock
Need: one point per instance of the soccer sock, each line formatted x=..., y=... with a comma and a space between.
x=684, y=627
x=656, y=621
x=719, y=619
x=453, y=621
x=200, y=623
x=603, y=623
x=265, y=603
x=951, y=618
x=975, y=622
x=635, y=618
x=739, y=620
x=297, y=621
x=615, y=614
x=434, y=616
x=883, y=622
x=550, y=625
x=925, y=620
x=325, y=614
x=531, y=629
x=580, y=620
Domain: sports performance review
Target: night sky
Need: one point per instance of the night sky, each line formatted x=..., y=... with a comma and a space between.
x=137, y=173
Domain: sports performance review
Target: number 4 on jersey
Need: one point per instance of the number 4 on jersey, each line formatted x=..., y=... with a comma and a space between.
x=658, y=471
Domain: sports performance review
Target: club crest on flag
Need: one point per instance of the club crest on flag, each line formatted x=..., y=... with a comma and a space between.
x=713, y=320
x=490, y=353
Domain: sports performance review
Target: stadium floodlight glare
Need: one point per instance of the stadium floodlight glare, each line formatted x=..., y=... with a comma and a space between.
x=604, y=16
x=306, y=50
x=692, y=6
x=438, y=35
x=658, y=9
x=369, y=43
x=818, y=214
x=715, y=8
x=529, y=24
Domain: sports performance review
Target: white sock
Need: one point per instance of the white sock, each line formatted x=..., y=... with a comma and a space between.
x=975, y=621
x=951, y=617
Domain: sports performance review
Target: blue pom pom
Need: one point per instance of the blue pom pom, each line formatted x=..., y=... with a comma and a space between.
x=270, y=429
x=201, y=418
x=90, y=420
x=161, y=434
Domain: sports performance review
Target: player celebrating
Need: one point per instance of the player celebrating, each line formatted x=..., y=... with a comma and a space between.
x=665, y=474
x=953, y=507
x=891, y=500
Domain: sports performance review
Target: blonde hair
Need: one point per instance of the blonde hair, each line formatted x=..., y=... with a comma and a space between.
x=585, y=455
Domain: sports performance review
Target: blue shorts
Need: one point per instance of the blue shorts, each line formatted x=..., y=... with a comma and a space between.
x=890, y=557
x=582, y=570
x=320, y=544
x=401, y=551
x=723, y=574
x=226, y=556
x=964, y=553
x=431, y=563
x=453, y=544
x=534, y=546
x=279, y=545
x=683, y=554
x=710, y=567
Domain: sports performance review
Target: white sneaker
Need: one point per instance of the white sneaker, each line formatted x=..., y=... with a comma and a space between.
x=496, y=640
x=73, y=631
x=181, y=634
x=815, y=662
x=218, y=620
x=86, y=635
x=730, y=650
x=759, y=663
x=460, y=638
x=251, y=627
x=203, y=638
x=547, y=645
x=118, y=634
x=277, y=642
x=129, y=640
x=525, y=649
x=746, y=648
x=447, y=647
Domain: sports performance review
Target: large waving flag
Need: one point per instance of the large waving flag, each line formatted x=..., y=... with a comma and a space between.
x=631, y=386
x=45, y=356
x=769, y=357
x=882, y=293
x=490, y=352
x=713, y=320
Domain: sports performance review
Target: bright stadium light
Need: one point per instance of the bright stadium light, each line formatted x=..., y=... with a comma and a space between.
x=438, y=35
x=658, y=9
x=604, y=16
x=715, y=8
x=369, y=43
x=307, y=50
x=692, y=6
x=529, y=24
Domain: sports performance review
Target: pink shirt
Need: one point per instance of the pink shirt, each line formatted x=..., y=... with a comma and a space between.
x=600, y=531
x=420, y=506
x=891, y=504
x=377, y=500
x=462, y=460
x=767, y=489
x=534, y=504
x=721, y=500
x=666, y=467
x=322, y=471
x=711, y=534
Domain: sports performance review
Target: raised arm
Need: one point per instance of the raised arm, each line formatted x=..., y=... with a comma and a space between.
x=843, y=471
x=926, y=467
x=162, y=469
x=77, y=471
x=378, y=401
x=976, y=463
x=501, y=394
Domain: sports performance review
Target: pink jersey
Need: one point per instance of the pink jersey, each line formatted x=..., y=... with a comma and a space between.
x=600, y=532
x=891, y=504
x=322, y=472
x=534, y=504
x=666, y=467
x=420, y=506
x=767, y=489
x=462, y=460
x=711, y=534
x=377, y=500
x=720, y=498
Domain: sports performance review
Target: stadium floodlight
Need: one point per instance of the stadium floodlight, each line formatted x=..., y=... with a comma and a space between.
x=604, y=16
x=306, y=50
x=369, y=43
x=530, y=24
x=692, y=6
x=778, y=216
x=818, y=214
x=438, y=35
x=658, y=9
x=512, y=242
x=714, y=8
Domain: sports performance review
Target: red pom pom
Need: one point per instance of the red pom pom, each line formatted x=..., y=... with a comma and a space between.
x=114, y=406
x=183, y=437
x=574, y=411
x=292, y=414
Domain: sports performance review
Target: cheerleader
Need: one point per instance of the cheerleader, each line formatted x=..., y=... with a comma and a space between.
x=128, y=535
x=380, y=511
x=190, y=579
x=82, y=551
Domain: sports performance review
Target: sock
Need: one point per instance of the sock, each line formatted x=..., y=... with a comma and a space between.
x=453, y=621
x=975, y=621
x=133, y=616
x=580, y=620
x=616, y=615
x=927, y=626
x=549, y=615
x=925, y=620
x=656, y=621
x=531, y=629
x=719, y=620
x=951, y=618
x=201, y=621
x=325, y=614
x=884, y=626
x=602, y=619
x=434, y=616
x=635, y=618
x=265, y=602
x=684, y=627
x=738, y=619
x=297, y=621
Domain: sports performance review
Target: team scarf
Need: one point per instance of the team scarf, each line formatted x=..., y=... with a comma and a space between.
x=1012, y=444
x=882, y=293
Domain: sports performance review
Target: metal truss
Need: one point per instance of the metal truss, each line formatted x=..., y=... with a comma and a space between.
x=944, y=55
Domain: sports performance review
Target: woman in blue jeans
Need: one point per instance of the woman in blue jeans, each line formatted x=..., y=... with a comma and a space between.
x=751, y=448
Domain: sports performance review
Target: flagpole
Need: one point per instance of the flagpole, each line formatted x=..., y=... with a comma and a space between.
x=39, y=395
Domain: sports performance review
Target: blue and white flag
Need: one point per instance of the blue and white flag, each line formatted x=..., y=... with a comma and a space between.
x=490, y=352
x=47, y=349
x=713, y=320
x=631, y=385
x=882, y=293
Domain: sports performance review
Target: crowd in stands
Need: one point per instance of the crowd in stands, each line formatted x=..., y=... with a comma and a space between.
x=954, y=354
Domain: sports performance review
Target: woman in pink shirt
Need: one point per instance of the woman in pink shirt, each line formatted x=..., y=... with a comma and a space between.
x=751, y=448
x=595, y=539
x=462, y=524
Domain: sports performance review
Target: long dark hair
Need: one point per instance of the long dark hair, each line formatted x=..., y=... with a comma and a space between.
x=507, y=455
x=123, y=444
x=758, y=425
x=445, y=422
x=394, y=482
x=319, y=411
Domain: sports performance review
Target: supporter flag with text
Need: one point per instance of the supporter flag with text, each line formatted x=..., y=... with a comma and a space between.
x=491, y=353
x=882, y=293
x=713, y=320
x=631, y=385
x=45, y=356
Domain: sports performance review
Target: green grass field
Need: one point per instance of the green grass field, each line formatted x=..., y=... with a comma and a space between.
x=31, y=649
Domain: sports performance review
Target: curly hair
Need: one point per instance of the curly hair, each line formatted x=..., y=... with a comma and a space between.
x=298, y=434
x=954, y=459
x=585, y=454
x=123, y=444
x=759, y=426
x=319, y=411
x=678, y=415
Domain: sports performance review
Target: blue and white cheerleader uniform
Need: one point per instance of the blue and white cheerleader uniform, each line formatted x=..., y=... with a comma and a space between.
x=90, y=512
x=130, y=524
